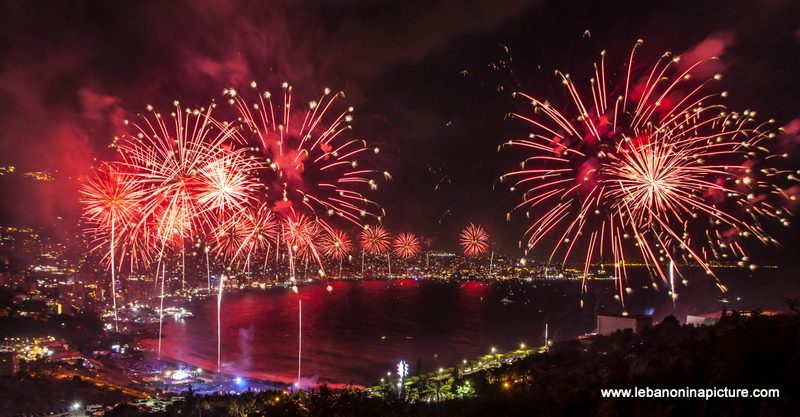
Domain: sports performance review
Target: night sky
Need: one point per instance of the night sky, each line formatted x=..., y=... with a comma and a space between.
x=430, y=81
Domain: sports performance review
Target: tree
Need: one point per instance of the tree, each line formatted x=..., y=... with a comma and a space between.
x=124, y=410
x=792, y=304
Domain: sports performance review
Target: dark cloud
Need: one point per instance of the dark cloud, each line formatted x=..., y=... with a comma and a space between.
x=71, y=71
x=388, y=33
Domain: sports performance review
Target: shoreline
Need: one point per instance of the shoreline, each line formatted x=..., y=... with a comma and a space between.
x=255, y=377
x=305, y=381
x=171, y=363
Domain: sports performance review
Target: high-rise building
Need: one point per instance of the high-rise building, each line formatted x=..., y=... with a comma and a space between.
x=9, y=363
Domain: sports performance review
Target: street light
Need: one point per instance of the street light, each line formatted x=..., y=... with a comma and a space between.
x=76, y=407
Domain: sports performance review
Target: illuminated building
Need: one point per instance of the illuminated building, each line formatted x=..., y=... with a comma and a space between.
x=610, y=323
x=9, y=364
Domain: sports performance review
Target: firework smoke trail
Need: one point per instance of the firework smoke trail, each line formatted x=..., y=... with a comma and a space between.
x=474, y=240
x=243, y=233
x=299, y=339
x=161, y=307
x=219, y=323
x=644, y=170
x=111, y=199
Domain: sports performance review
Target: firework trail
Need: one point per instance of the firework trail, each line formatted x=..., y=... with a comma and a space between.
x=219, y=323
x=375, y=240
x=111, y=203
x=189, y=173
x=659, y=168
x=474, y=240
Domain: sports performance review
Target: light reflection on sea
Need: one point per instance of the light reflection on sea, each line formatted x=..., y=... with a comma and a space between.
x=360, y=330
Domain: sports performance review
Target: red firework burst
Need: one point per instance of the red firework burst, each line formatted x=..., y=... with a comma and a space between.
x=474, y=240
x=375, y=239
x=310, y=162
x=406, y=245
x=303, y=237
x=113, y=202
x=188, y=170
x=336, y=245
x=659, y=169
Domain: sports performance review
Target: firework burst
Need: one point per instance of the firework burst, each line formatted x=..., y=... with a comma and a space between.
x=474, y=240
x=406, y=245
x=303, y=237
x=659, y=169
x=187, y=170
x=111, y=204
x=111, y=197
x=336, y=245
x=227, y=184
x=375, y=239
x=246, y=232
x=312, y=164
